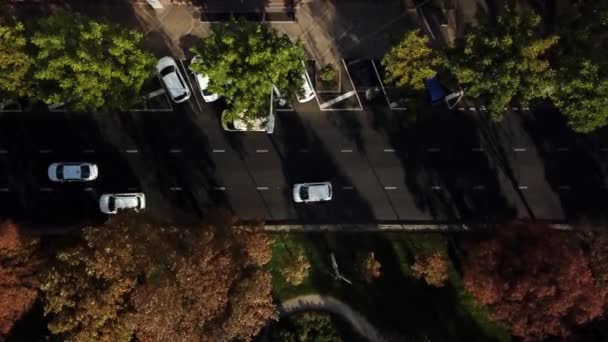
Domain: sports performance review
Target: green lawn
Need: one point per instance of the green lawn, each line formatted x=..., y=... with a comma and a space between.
x=396, y=303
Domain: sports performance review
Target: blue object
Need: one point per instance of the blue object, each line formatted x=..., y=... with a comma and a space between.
x=435, y=91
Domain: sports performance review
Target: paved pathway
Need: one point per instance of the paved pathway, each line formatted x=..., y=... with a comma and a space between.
x=317, y=302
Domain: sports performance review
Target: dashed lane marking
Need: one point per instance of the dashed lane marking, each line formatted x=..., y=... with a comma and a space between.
x=389, y=150
x=346, y=151
x=433, y=149
x=522, y=187
x=175, y=150
x=262, y=188
x=4, y=190
x=175, y=188
x=46, y=189
x=46, y=151
x=89, y=151
x=519, y=149
x=132, y=151
x=346, y=187
x=88, y=189
x=477, y=149
x=390, y=188
x=460, y=108
x=261, y=151
x=478, y=187
x=563, y=149
x=220, y=188
x=436, y=187
x=3, y=151
x=471, y=108
x=219, y=151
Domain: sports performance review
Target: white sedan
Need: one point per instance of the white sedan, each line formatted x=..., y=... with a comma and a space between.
x=172, y=79
x=112, y=203
x=203, y=83
x=312, y=192
x=72, y=172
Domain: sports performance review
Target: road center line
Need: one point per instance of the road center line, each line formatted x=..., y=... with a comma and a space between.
x=261, y=151
x=346, y=151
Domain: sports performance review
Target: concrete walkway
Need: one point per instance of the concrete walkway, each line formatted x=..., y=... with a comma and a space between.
x=317, y=302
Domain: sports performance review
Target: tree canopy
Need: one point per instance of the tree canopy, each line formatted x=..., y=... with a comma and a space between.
x=411, y=62
x=243, y=60
x=160, y=283
x=533, y=278
x=15, y=61
x=88, y=65
x=504, y=59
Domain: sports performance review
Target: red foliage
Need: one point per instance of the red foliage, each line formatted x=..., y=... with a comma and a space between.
x=534, y=279
x=18, y=286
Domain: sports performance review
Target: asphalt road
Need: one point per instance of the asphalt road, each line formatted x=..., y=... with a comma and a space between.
x=445, y=166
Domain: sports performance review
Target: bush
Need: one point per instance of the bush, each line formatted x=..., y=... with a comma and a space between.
x=328, y=74
x=296, y=270
x=368, y=267
x=433, y=268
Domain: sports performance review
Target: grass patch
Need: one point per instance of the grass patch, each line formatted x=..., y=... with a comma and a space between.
x=395, y=303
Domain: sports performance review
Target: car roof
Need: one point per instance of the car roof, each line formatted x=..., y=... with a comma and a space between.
x=126, y=201
x=174, y=84
x=318, y=191
x=71, y=170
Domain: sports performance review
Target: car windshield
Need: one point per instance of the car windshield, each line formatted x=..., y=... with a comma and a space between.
x=84, y=171
x=111, y=204
x=177, y=98
x=166, y=71
x=304, y=193
x=60, y=172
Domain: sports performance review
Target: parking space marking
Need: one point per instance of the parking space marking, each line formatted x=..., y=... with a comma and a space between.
x=220, y=188
x=390, y=188
x=132, y=151
x=262, y=187
x=175, y=188
x=346, y=151
x=519, y=149
x=175, y=150
x=261, y=151
x=389, y=150
x=45, y=151
x=219, y=151
x=195, y=90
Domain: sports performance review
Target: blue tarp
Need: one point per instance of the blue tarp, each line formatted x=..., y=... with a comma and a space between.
x=434, y=90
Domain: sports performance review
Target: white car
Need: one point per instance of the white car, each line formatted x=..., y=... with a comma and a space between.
x=112, y=203
x=203, y=83
x=312, y=192
x=307, y=91
x=73, y=172
x=172, y=79
x=256, y=125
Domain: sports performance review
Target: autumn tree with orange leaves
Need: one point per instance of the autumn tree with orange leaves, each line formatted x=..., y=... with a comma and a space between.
x=18, y=283
x=535, y=279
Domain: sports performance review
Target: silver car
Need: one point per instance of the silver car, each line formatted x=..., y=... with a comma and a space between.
x=172, y=79
x=312, y=192
x=112, y=203
x=72, y=172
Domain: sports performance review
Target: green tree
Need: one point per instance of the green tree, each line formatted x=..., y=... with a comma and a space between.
x=243, y=60
x=304, y=327
x=88, y=65
x=297, y=267
x=411, y=62
x=15, y=61
x=504, y=59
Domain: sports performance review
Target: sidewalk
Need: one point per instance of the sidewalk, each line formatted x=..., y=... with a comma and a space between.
x=328, y=29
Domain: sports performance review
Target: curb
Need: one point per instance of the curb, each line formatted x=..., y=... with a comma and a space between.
x=355, y=228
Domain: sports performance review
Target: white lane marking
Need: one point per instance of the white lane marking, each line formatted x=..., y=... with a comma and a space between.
x=389, y=150
x=433, y=149
x=477, y=149
x=478, y=187
x=4, y=189
x=175, y=150
x=132, y=151
x=564, y=187
x=175, y=188
x=303, y=150
x=46, y=189
x=519, y=149
x=220, y=188
x=522, y=187
x=460, y=108
x=89, y=151
x=219, y=151
x=563, y=149
x=262, y=188
x=436, y=187
x=3, y=151
x=515, y=108
x=526, y=108
x=483, y=108
x=347, y=187
x=261, y=151
x=88, y=189
x=471, y=108
x=390, y=188
x=346, y=151
x=45, y=151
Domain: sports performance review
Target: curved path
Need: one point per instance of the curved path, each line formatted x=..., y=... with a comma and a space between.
x=325, y=303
